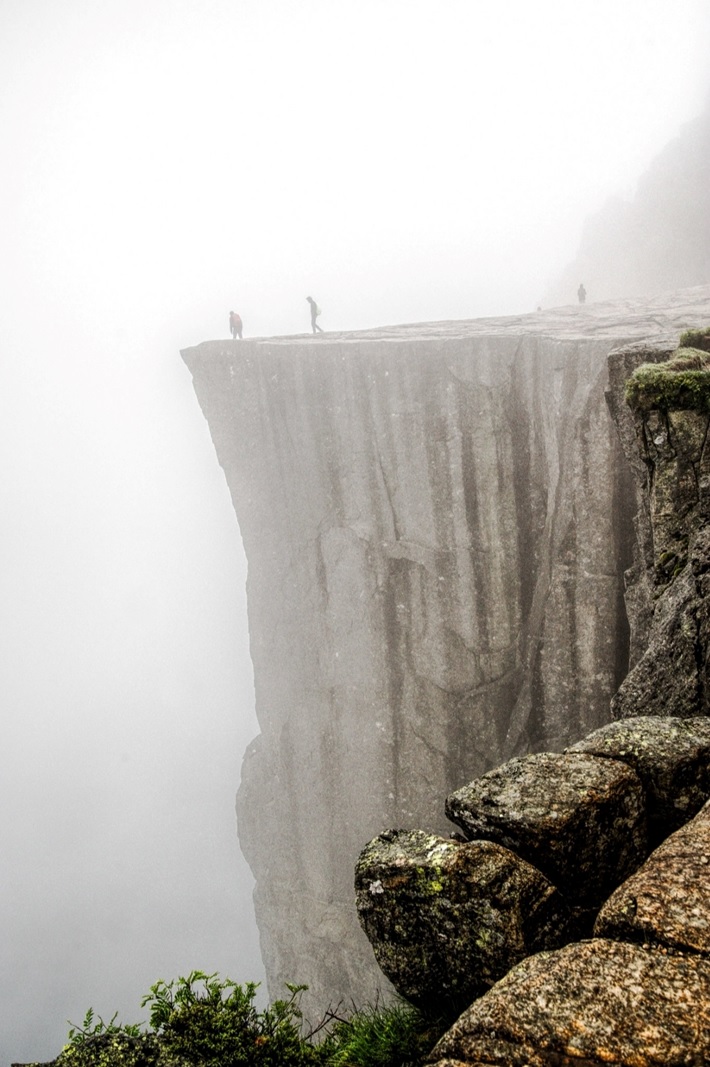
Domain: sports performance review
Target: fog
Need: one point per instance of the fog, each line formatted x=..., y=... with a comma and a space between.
x=162, y=163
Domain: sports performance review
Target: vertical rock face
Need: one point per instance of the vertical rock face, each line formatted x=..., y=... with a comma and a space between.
x=666, y=439
x=437, y=520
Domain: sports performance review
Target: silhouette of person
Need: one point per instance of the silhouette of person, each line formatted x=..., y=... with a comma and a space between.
x=315, y=312
x=235, y=325
x=581, y=293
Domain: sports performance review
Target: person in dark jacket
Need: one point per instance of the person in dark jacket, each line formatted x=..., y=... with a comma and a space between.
x=315, y=312
x=235, y=325
x=581, y=293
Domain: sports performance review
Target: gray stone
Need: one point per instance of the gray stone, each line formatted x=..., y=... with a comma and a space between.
x=446, y=919
x=671, y=757
x=667, y=901
x=673, y=676
x=437, y=520
x=590, y=1004
x=578, y=818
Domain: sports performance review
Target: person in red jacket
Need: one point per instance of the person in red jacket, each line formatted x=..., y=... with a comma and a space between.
x=235, y=325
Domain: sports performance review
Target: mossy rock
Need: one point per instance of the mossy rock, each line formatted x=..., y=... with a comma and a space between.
x=682, y=383
x=696, y=339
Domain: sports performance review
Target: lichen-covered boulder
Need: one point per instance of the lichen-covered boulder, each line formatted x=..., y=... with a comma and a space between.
x=447, y=919
x=589, y=1004
x=579, y=819
x=667, y=901
x=671, y=757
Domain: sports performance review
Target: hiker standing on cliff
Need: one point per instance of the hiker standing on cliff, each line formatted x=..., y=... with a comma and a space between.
x=315, y=312
x=235, y=325
x=581, y=293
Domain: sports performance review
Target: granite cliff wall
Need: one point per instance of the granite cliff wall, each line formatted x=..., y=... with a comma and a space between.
x=437, y=521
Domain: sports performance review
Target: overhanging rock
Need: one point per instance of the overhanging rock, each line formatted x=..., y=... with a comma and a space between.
x=437, y=519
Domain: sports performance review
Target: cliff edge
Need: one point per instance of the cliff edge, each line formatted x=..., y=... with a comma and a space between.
x=437, y=521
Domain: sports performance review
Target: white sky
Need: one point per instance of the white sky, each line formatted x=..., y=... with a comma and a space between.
x=164, y=161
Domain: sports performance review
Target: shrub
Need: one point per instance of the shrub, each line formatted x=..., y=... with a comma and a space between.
x=203, y=1021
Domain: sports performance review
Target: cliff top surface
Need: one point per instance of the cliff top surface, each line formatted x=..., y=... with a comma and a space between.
x=658, y=318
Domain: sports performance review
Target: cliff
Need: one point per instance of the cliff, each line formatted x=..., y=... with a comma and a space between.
x=437, y=520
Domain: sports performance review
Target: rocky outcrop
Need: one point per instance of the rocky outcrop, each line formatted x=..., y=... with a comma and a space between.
x=580, y=819
x=638, y=992
x=631, y=995
x=672, y=760
x=666, y=426
x=573, y=827
x=437, y=520
x=676, y=915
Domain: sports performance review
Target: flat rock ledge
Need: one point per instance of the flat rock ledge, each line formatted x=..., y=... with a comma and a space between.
x=591, y=1004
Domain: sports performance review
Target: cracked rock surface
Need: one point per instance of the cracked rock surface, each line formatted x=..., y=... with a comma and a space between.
x=671, y=757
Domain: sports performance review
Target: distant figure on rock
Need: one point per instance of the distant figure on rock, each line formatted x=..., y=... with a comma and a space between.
x=315, y=312
x=235, y=325
x=581, y=293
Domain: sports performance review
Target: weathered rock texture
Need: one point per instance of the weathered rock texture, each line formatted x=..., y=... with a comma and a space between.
x=437, y=520
x=443, y=918
x=668, y=585
x=589, y=1004
x=672, y=759
x=580, y=819
x=667, y=901
x=448, y=919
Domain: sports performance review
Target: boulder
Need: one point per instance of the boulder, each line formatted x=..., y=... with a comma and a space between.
x=447, y=919
x=666, y=902
x=578, y=818
x=590, y=1004
x=671, y=756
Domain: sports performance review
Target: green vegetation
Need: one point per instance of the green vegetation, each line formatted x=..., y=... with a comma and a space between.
x=696, y=339
x=682, y=383
x=203, y=1021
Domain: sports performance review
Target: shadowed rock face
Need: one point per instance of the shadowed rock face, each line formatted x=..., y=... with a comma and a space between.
x=437, y=520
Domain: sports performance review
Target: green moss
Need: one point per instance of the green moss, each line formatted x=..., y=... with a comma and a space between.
x=696, y=339
x=682, y=383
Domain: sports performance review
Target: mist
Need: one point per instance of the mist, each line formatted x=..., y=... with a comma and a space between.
x=163, y=163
